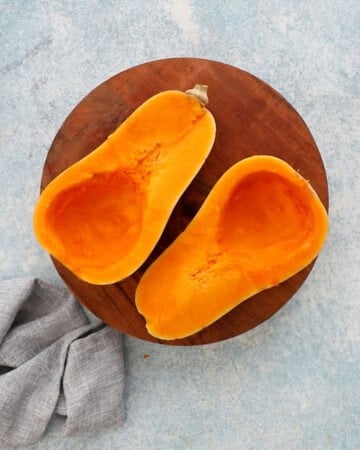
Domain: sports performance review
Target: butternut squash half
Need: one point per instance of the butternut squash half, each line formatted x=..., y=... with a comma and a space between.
x=102, y=216
x=261, y=223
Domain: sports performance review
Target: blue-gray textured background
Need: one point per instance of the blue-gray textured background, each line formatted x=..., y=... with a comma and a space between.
x=292, y=383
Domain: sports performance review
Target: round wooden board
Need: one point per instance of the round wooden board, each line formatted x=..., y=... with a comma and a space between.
x=251, y=117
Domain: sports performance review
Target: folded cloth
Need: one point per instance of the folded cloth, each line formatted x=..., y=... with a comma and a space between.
x=53, y=360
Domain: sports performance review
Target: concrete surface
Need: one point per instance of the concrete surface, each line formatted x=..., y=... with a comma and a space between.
x=292, y=383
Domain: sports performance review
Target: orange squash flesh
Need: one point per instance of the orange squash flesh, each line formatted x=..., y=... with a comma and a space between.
x=102, y=216
x=261, y=223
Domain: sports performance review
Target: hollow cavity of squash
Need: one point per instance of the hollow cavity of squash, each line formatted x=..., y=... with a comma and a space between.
x=261, y=223
x=102, y=216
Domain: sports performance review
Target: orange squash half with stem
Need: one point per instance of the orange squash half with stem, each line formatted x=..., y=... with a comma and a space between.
x=102, y=216
x=261, y=223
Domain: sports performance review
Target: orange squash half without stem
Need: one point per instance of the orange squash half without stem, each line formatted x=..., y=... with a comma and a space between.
x=261, y=223
x=102, y=216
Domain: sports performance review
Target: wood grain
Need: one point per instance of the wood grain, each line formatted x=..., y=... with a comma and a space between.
x=252, y=118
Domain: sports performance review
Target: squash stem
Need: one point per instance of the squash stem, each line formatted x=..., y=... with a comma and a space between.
x=199, y=91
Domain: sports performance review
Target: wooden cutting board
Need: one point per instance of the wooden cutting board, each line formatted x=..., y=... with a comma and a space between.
x=251, y=117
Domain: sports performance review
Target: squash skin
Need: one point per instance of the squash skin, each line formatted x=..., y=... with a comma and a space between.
x=102, y=216
x=260, y=224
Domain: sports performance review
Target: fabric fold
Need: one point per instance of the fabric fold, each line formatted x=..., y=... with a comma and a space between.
x=47, y=347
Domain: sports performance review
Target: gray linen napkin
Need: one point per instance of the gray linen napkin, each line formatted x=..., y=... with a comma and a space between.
x=53, y=360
